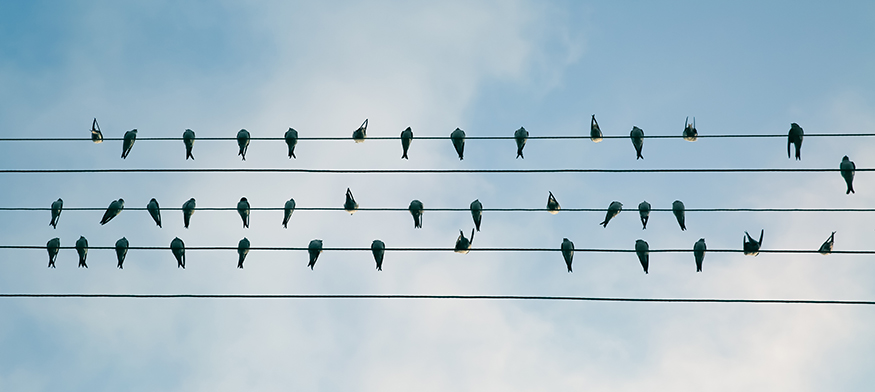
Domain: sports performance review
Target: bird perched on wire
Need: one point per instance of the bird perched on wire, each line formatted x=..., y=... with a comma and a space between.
x=463, y=244
x=243, y=210
x=314, y=249
x=128, y=142
x=795, y=138
x=595, y=133
x=53, y=246
x=57, y=207
x=567, y=252
x=477, y=213
x=690, y=132
x=242, y=251
x=699, y=249
x=121, y=250
x=644, y=213
x=637, y=136
x=350, y=204
x=291, y=137
x=458, y=138
x=521, y=135
x=378, y=248
x=826, y=248
x=552, y=205
x=188, y=140
x=643, y=252
x=177, y=247
x=406, y=138
x=243, y=142
x=82, y=250
x=288, y=209
x=155, y=211
x=415, y=209
x=96, y=135
x=848, y=168
x=613, y=209
x=361, y=133
x=678, y=209
x=751, y=246
x=188, y=210
x=115, y=208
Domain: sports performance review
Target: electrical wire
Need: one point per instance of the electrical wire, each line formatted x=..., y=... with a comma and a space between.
x=423, y=249
x=405, y=209
x=349, y=138
x=421, y=171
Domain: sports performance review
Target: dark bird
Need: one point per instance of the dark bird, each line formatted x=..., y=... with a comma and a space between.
x=188, y=211
x=154, y=211
x=477, y=213
x=115, y=208
x=644, y=213
x=690, y=133
x=595, y=133
x=463, y=244
x=96, y=135
x=677, y=208
x=315, y=248
x=291, y=140
x=82, y=250
x=378, y=248
x=288, y=209
x=643, y=252
x=350, y=205
x=243, y=210
x=848, y=168
x=178, y=249
x=361, y=133
x=795, y=138
x=242, y=251
x=416, y=210
x=57, y=207
x=243, y=142
x=567, y=252
x=188, y=140
x=613, y=210
x=128, y=142
x=826, y=248
x=406, y=138
x=458, y=138
x=121, y=250
x=521, y=135
x=751, y=246
x=552, y=204
x=637, y=136
x=53, y=246
x=699, y=252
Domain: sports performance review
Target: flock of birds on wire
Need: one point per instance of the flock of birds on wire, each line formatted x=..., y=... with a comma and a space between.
x=751, y=246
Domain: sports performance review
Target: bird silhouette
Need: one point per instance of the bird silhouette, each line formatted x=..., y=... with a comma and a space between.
x=121, y=250
x=463, y=244
x=82, y=250
x=848, y=168
x=243, y=210
x=243, y=142
x=177, y=247
x=361, y=133
x=458, y=138
x=415, y=209
x=53, y=246
x=477, y=213
x=521, y=135
x=644, y=213
x=678, y=209
x=699, y=252
x=115, y=208
x=154, y=211
x=826, y=248
x=378, y=248
x=315, y=248
x=291, y=137
x=595, y=133
x=188, y=140
x=57, y=207
x=690, y=132
x=752, y=247
x=637, y=136
x=613, y=210
x=96, y=135
x=795, y=138
x=552, y=205
x=406, y=138
x=187, y=211
x=288, y=209
x=242, y=251
x=350, y=205
x=128, y=142
x=567, y=252
x=643, y=252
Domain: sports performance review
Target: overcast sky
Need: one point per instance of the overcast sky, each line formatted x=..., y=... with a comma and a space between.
x=487, y=68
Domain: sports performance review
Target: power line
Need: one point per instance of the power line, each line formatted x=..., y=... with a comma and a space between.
x=442, y=249
x=422, y=171
x=406, y=209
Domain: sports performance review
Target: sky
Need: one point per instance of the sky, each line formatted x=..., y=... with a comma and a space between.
x=485, y=67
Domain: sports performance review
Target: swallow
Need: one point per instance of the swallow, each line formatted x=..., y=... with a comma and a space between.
x=178, y=249
x=795, y=138
x=643, y=252
x=521, y=135
x=595, y=133
x=96, y=135
x=288, y=209
x=350, y=205
x=315, y=248
x=677, y=208
x=291, y=140
x=128, y=142
x=613, y=210
x=53, y=246
x=567, y=252
x=243, y=210
x=361, y=133
x=188, y=211
x=155, y=211
x=826, y=248
x=751, y=246
x=243, y=142
x=378, y=248
x=552, y=204
x=637, y=136
x=848, y=168
x=406, y=138
x=463, y=244
x=121, y=250
x=57, y=207
x=416, y=210
x=690, y=133
x=458, y=138
x=188, y=140
x=82, y=250
x=477, y=213
x=644, y=212
x=242, y=251
x=699, y=252
x=115, y=208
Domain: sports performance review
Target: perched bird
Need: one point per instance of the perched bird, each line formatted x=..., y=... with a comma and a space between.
x=128, y=142
x=288, y=209
x=406, y=138
x=795, y=138
x=613, y=210
x=643, y=252
x=291, y=140
x=53, y=246
x=155, y=211
x=644, y=212
x=751, y=246
x=243, y=210
x=463, y=244
x=243, y=142
x=178, y=249
x=416, y=210
x=115, y=208
x=350, y=205
x=848, y=168
x=567, y=252
x=242, y=251
x=96, y=135
x=677, y=208
x=188, y=211
x=690, y=133
x=552, y=204
x=637, y=136
x=826, y=248
x=361, y=133
x=188, y=140
x=476, y=213
x=458, y=138
x=699, y=252
x=57, y=207
x=315, y=248
x=82, y=250
x=521, y=135
x=121, y=250
x=378, y=248
x=595, y=133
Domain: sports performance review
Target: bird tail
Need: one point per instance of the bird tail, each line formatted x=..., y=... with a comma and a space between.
x=569, y=268
x=404, y=155
x=604, y=224
x=788, y=147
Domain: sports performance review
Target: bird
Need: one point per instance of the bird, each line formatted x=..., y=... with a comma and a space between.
x=188, y=140
x=826, y=248
x=243, y=142
x=463, y=244
x=288, y=209
x=699, y=252
x=848, y=168
x=155, y=211
x=795, y=138
x=476, y=213
x=643, y=252
x=637, y=136
x=361, y=133
x=406, y=138
x=678, y=209
x=378, y=248
x=243, y=210
x=177, y=247
x=644, y=212
x=690, y=133
x=53, y=246
x=57, y=207
x=115, y=208
x=567, y=252
x=82, y=250
x=291, y=140
x=128, y=142
x=121, y=250
x=751, y=246
x=552, y=204
x=96, y=135
x=315, y=248
x=350, y=205
x=416, y=210
x=521, y=135
x=613, y=210
x=595, y=133
x=458, y=138
x=188, y=211
x=242, y=251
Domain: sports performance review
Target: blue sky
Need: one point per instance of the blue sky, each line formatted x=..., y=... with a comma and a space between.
x=488, y=68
